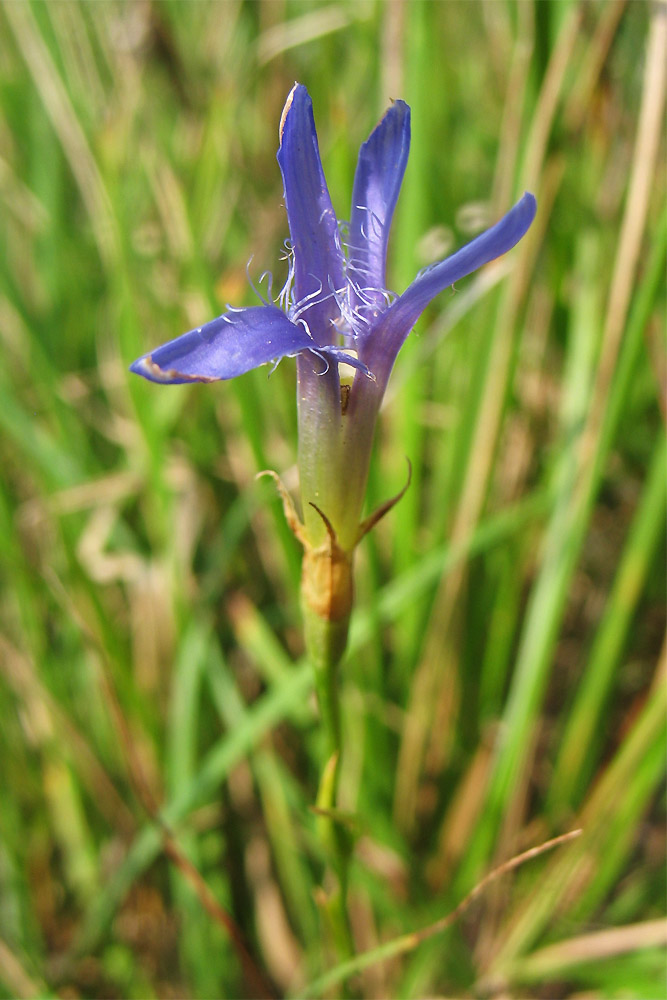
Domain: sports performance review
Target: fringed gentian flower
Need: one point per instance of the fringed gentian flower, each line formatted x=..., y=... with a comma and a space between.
x=334, y=310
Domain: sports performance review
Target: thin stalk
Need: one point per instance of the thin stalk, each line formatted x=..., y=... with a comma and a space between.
x=325, y=652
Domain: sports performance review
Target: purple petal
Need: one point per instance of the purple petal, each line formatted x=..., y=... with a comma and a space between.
x=484, y=248
x=388, y=333
x=318, y=258
x=230, y=345
x=377, y=181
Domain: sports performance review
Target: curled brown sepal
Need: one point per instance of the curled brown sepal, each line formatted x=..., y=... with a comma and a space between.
x=326, y=580
x=293, y=520
x=383, y=509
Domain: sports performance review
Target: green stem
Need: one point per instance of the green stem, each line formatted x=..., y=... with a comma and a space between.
x=325, y=643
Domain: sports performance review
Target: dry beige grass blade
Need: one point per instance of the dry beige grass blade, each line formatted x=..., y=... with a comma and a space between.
x=393, y=53
x=583, y=87
x=15, y=977
x=81, y=63
x=149, y=795
x=568, y=876
x=435, y=685
x=642, y=177
x=549, y=98
x=256, y=980
x=554, y=960
x=493, y=876
x=509, y=143
x=59, y=108
x=50, y=727
x=280, y=948
x=435, y=679
x=632, y=234
x=460, y=819
x=298, y=30
x=408, y=942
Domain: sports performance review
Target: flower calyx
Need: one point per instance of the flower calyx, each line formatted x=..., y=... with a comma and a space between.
x=326, y=579
x=326, y=576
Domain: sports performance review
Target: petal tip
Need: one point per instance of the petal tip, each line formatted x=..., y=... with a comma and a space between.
x=142, y=366
x=150, y=370
x=147, y=368
x=530, y=203
x=400, y=107
x=298, y=88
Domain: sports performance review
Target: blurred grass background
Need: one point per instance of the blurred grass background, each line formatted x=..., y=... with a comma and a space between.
x=505, y=681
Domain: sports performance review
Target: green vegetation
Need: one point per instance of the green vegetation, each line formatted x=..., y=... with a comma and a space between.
x=505, y=684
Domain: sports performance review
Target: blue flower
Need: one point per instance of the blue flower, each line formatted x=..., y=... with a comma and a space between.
x=332, y=300
x=335, y=308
